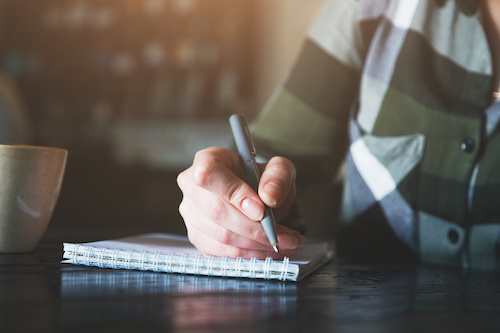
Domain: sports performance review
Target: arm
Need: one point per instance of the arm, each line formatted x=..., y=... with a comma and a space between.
x=306, y=118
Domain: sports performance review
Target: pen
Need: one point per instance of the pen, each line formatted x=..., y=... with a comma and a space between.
x=247, y=152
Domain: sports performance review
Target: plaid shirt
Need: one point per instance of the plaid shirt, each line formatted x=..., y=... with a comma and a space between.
x=400, y=90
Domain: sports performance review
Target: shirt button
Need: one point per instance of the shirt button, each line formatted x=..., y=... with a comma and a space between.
x=468, y=145
x=453, y=236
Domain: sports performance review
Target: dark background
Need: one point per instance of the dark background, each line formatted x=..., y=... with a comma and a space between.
x=95, y=75
x=131, y=88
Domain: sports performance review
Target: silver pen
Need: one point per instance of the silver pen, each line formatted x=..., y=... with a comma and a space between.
x=247, y=152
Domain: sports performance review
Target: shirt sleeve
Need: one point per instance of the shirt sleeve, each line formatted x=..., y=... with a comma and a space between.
x=306, y=118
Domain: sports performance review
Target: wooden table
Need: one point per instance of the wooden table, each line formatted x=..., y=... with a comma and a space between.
x=38, y=294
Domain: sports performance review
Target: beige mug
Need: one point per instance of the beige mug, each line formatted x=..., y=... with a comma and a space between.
x=30, y=182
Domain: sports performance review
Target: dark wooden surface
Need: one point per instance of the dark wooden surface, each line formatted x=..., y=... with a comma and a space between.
x=38, y=294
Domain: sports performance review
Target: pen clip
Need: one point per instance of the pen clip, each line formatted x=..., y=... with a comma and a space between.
x=249, y=140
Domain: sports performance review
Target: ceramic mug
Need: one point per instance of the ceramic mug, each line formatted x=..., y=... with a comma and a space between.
x=30, y=182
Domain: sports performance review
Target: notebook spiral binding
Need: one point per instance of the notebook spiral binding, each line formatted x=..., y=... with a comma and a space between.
x=184, y=264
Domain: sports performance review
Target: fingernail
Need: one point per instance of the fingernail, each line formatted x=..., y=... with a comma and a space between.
x=272, y=192
x=253, y=209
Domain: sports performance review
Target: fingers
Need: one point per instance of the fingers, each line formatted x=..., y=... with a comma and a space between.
x=277, y=182
x=219, y=172
x=222, y=221
x=211, y=247
x=277, y=186
x=233, y=245
x=221, y=211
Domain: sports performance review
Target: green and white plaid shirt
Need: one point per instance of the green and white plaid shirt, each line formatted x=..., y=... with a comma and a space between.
x=401, y=90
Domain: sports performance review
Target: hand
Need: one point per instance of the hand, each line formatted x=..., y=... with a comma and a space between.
x=222, y=212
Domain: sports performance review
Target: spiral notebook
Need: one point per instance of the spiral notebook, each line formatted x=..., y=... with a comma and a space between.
x=175, y=254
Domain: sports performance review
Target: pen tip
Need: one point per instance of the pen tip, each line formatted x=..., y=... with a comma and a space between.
x=276, y=248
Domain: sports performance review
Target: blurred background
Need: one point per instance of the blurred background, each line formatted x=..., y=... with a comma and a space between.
x=133, y=88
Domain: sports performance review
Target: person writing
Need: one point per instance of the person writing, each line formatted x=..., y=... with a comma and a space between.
x=405, y=93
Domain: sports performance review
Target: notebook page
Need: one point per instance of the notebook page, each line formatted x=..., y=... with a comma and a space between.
x=166, y=243
x=163, y=243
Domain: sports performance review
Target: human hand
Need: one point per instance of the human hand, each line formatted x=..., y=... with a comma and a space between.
x=222, y=212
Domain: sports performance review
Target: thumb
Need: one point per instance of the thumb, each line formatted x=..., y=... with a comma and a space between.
x=277, y=182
